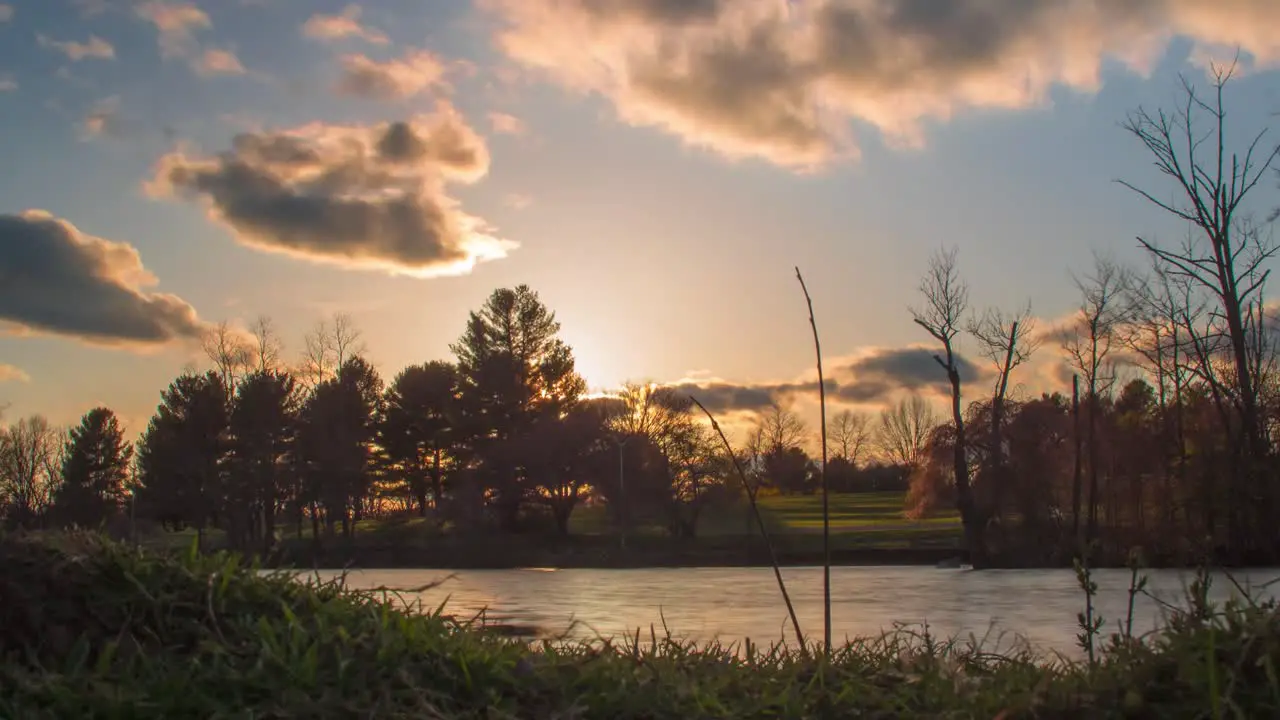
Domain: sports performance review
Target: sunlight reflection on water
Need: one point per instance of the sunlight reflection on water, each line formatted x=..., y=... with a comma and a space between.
x=735, y=603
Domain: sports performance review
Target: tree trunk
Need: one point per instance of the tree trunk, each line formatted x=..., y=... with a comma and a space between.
x=973, y=525
x=1076, y=474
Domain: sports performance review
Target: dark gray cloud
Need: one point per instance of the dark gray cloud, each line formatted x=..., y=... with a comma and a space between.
x=55, y=279
x=782, y=80
x=362, y=196
x=728, y=397
x=871, y=378
x=875, y=376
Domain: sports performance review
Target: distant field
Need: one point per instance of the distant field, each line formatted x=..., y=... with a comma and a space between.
x=858, y=520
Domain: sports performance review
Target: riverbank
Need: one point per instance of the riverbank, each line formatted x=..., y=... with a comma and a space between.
x=585, y=552
x=89, y=629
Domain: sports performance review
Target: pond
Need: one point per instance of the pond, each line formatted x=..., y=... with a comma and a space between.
x=731, y=604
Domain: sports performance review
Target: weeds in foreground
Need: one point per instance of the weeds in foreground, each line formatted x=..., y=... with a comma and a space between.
x=89, y=629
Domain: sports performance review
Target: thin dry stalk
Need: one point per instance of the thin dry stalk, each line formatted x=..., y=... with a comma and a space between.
x=755, y=511
x=826, y=510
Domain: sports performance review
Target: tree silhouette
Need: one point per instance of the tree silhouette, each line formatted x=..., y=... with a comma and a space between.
x=513, y=371
x=1089, y=342
x=29, y=470
x=942, y=315
x=181, y=454
x=417, y=428
x=336, y=434
x=95, y=470
x=904, y=430
x=1225, y=262
x=262, y=427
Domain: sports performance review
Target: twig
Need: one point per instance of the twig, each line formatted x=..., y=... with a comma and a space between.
x=826, y=508
x=755, y=510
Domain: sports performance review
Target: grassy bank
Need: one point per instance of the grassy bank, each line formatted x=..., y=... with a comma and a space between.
x=93, y=630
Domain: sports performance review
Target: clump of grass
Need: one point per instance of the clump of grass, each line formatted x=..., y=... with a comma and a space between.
x=90, y=629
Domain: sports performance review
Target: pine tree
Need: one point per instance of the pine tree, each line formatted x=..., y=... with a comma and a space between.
x=95, y=471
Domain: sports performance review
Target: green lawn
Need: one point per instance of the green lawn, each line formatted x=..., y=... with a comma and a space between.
x=858, y=520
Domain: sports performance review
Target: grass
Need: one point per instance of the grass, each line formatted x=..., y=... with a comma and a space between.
x=857, y=520
x=89, y=629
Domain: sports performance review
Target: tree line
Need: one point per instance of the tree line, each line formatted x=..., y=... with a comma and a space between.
x=501, y=437
x=1164, y=436
x=1167, y=438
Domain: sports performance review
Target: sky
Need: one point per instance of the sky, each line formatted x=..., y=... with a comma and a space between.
x=654, y=169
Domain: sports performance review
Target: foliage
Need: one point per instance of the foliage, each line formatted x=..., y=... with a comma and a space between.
x=90, y=629
x=95, y=470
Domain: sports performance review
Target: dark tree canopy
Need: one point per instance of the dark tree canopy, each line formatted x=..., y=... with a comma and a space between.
x=95, y=470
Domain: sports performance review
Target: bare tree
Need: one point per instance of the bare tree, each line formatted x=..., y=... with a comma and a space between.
x=946, y=300
x=268, y=349
x=779, y=428
x=1088, y=343
x=1006, y=341
x=30, y=455
x=1155, y=337
x=329, y=344
x=1227, y=257
x=904, y=430
x=849, y=434
x=230, y=352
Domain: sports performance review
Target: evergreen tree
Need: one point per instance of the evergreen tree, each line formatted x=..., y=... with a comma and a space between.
x=262, y=425
x=513, y=370
x=181, y=454
x=95, y=471
x=416, y=431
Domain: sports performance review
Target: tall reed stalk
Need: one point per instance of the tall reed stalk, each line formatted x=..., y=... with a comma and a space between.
x=826, y=509
x=755, y=511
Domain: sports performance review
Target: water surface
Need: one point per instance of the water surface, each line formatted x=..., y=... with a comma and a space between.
x=735, y=603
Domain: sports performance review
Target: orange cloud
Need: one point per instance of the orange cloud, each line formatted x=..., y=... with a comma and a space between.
x=176, y=22
x=95, y=48
x=506, y=124
x=343, y=25
x=396, y=79
x=9, y=373
x=218, y=62
x=784, y=81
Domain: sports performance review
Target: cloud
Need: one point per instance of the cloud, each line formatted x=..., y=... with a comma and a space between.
x=365, y=196
x=7, y=83
x=6, y=13
x=9, y=373
x=103, y=119
x=517, y=201
x=92, y=8
x=723, y=396
x=506, y=124
x=176, y=22
x=395, y=79
x=344, y=25
x=875, y=375
x=218, y=62
x=95, y=48
x=61, y=281
x=786, y=81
